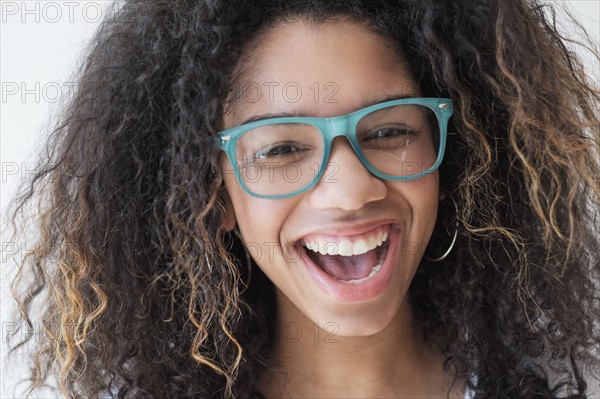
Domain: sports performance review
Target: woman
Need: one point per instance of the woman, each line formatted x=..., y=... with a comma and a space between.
x=249, y=200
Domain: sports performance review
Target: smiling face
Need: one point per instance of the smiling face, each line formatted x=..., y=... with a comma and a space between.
x=328, y=70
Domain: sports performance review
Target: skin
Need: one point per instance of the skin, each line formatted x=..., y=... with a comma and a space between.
x=327, y=347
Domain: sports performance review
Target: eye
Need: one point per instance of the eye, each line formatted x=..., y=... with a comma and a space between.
x=391, y=137
x=389, y=132
x=280, y=150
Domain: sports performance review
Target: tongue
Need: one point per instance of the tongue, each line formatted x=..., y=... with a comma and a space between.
x=348, y=267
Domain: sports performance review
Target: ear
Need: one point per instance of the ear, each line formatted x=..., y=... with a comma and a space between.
x=230, y=219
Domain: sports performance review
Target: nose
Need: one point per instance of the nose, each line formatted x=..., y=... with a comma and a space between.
x=346, y=183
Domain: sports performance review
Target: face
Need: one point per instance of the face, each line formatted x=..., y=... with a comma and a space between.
x=323, y=71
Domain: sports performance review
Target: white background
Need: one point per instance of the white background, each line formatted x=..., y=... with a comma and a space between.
x=41, y=44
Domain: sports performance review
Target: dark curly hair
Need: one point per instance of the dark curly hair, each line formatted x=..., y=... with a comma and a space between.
x=139, y=284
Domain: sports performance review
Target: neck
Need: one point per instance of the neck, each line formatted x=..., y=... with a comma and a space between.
x=315, y=362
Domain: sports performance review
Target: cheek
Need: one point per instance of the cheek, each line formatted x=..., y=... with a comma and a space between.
x=259, y=221
x=422, y=196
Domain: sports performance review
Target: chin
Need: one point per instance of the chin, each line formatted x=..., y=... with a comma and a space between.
x=369, y=320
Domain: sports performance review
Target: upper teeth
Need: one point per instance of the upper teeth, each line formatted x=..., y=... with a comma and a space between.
x=346, y=247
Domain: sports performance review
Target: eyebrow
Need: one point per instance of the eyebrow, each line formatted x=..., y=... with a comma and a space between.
x=304, y=113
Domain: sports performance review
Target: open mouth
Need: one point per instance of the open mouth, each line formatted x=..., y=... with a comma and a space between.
x=351, y=261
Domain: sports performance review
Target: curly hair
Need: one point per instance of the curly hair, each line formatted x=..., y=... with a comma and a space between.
x=139, y=283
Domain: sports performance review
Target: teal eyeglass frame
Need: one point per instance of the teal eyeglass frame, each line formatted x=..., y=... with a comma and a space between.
x=340, y=126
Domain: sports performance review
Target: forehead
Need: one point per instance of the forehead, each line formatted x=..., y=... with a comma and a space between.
x=323, y=69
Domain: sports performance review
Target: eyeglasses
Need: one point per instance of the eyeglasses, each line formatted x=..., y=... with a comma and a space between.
x=395, y=140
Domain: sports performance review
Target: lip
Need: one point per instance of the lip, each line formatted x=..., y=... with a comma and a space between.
x=349, y=293
x=347, y=231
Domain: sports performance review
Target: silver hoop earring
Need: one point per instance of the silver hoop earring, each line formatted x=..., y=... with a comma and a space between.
x=248, y=261
x=455, y=236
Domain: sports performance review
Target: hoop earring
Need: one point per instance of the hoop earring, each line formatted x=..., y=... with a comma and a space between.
x=455, y=236
x=248, y=261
